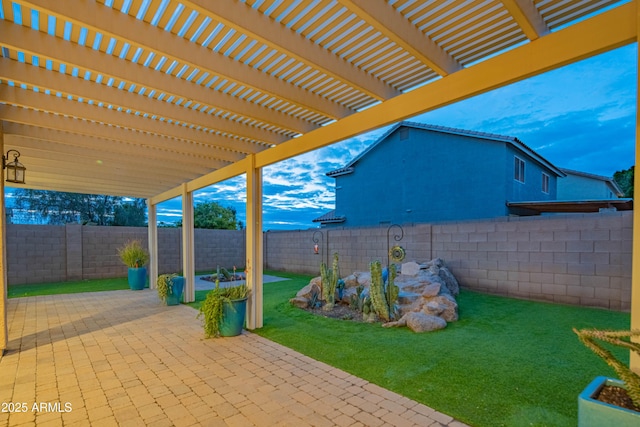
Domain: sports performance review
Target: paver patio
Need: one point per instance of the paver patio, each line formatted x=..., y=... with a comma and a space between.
x=122, y=358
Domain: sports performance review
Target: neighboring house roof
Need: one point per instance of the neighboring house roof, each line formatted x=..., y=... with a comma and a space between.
x=606, y=179
x=330, y=218
x=574, y=206
x=474, y=134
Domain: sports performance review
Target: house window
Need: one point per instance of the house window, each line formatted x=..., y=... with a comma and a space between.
x=545, y=183
x=518, y=170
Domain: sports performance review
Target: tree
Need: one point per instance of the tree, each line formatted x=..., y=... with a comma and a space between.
x=55, y=207
x=130, y=214
x=624, y=179
x=214, y=215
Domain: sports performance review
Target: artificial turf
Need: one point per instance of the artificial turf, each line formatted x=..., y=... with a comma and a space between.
x=71, y=287
x=506, y=362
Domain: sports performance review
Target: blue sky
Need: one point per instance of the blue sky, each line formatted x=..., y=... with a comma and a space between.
x=579, y=117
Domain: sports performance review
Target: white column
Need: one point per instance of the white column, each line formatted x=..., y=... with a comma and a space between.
x=188, y=247
x=253, y=268
x=153, y=243
x=4, y=332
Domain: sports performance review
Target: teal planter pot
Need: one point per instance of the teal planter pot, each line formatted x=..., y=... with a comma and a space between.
x=137, y=278
x=233, y=318
x=177, y=286
x=593, y=413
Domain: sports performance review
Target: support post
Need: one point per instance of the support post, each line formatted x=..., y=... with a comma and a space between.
x=188, y=247
x=635, y=249
x=4, y=330
x=253, y=268
x=153, y=243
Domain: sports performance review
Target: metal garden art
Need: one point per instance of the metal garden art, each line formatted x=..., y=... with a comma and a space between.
x=397, y=252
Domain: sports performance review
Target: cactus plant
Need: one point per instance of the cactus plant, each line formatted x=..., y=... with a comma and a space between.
x=356, y=301
x=589, y=337
x=330, y=282
x=392, y=291
x=383, y=296
x=376, y=291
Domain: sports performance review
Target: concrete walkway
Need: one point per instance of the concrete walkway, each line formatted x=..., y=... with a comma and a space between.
x=121, y=358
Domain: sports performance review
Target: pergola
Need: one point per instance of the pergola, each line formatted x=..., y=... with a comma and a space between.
x=160, y=98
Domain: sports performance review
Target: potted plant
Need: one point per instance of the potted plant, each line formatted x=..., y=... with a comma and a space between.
x=624, y=410
x=224, y=310
x=134, y=256
x=170, y=288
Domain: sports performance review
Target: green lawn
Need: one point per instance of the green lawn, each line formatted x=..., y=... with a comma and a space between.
x=17, y=291
x=505, y=362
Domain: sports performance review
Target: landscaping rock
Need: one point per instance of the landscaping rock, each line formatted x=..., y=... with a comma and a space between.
x=419, y=322
x=300, y=302
x=428, y=291
x=410, y=268
x=309, y=291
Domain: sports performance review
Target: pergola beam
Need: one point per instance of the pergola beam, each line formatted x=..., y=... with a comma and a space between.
x=41, y=45
x=604, y=32
x=109, y=148
x=385, y=19
x=209, y=142
x=527, y=17
x=85, y=89
x=137, y=139
x=260, y=27
x=120, y=26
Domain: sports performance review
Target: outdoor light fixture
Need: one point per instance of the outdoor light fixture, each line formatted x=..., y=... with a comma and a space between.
x=15, y=169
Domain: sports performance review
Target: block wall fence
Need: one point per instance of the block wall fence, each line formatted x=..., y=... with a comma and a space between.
x=572, y=259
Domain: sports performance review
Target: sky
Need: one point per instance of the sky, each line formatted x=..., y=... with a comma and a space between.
x=579, y=117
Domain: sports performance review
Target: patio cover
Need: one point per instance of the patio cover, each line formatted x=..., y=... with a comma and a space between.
x=159, y=98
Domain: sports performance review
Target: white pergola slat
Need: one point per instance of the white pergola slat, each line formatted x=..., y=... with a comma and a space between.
x=159, y=98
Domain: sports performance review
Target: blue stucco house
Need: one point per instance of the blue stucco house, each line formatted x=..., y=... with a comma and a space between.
x=423, y=173
x=585, y=186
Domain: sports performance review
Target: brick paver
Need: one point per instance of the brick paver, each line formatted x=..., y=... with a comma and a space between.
x=122, y=358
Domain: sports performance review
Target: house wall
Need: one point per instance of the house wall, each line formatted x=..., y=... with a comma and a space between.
x=573, y=259
x=531, y=189
x=575, y=187
x=430, y=176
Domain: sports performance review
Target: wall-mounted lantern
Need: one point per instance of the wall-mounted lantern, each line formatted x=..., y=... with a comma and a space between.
x=15, y=169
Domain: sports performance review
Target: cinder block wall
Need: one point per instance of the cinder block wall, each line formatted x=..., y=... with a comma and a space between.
x=45, y=253
x=356, y=247
x=573, y=259
x=577, y=259
x=35, y=254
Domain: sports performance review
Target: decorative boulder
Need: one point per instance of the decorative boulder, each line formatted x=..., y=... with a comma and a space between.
x=419, y=322
x=426, y=292
x=309, y=291
x=410, y=269
x=437, y=267
x=300, y=302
